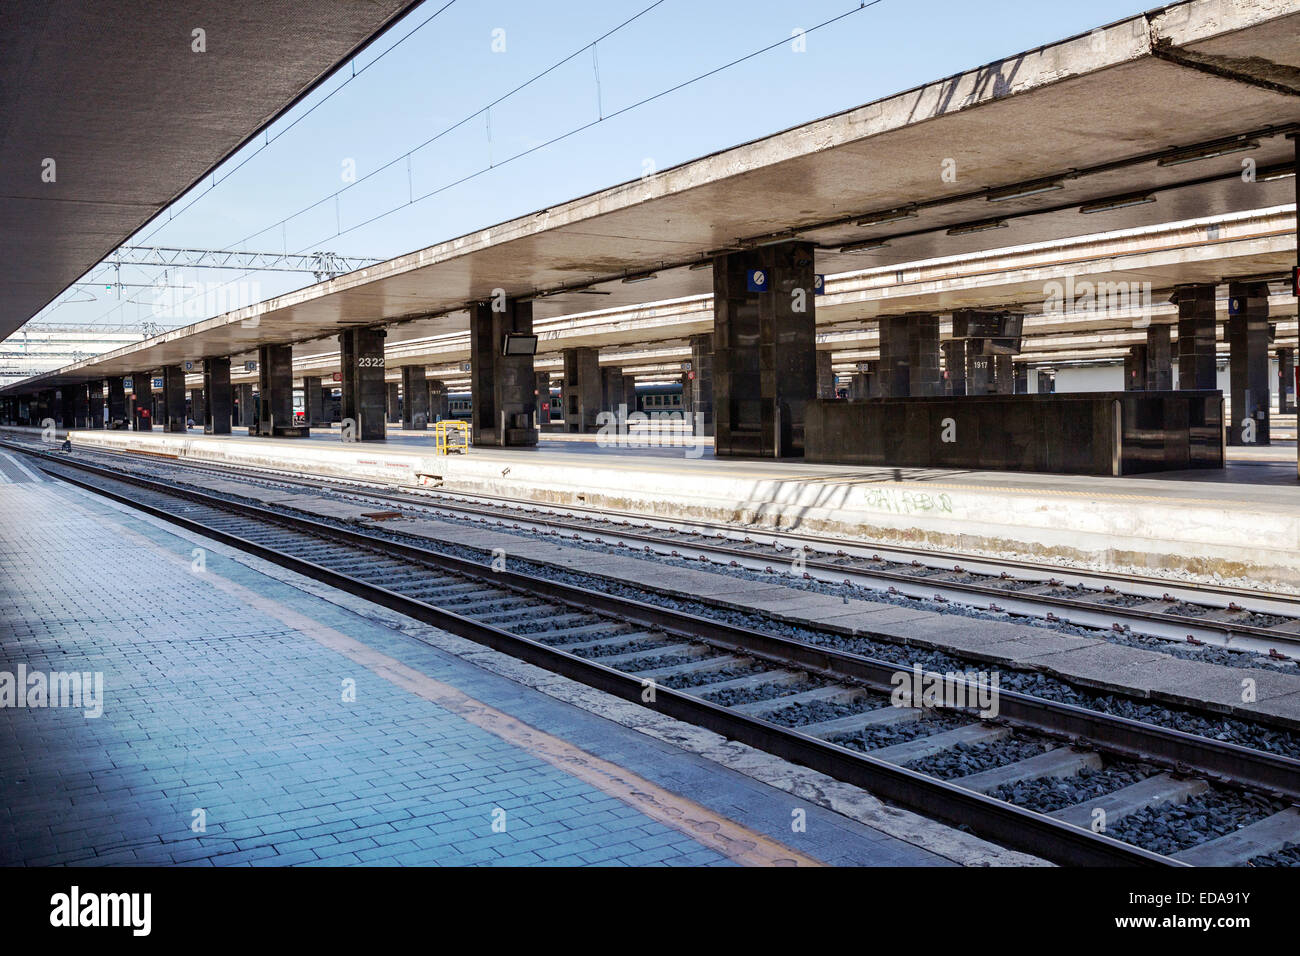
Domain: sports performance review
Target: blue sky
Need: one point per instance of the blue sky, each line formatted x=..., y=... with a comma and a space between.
x=448, y=70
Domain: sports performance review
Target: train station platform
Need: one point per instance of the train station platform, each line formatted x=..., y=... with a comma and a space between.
x=1238, y=524
x=235, y=713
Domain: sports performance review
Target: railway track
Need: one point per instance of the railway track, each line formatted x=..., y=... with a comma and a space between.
x=810, y=704
x=1191, y=614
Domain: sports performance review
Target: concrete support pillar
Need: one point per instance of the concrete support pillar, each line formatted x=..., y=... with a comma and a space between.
x=979, y=373
x=909, y=356
x=68, y=406
x=542, y=383
x=825, y=376
x=764, y=349
x=171, y=415
x=1159, y=371
x=246, y=405
x=582, y=389
x=393, y=402
x=198, y=406
x=275, y=394
x=1149, y=367
x=611, y=389
x=1286, y=381
x=701, y=383
x=954, y=366
x=1135, y=364
x=1004, y=375
x=415, y=398
x=313, y=397
x=94, y=404
x=1197, y=335
x=503, y=387
x=437, y=399
x=217, y=406
x=363, y=403
x=1295, y=276
x=142, y=400
x=1248, y=342
x=117, y=401
x=81, y=405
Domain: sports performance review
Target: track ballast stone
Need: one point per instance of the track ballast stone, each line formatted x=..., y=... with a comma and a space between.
x=1057, y=793
x=1205, y=817
x=962, y=760
x=873, y=738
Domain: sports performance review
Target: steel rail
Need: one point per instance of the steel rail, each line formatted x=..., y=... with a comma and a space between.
x=1093, y=614
x=987, y=817
x=1124, y=736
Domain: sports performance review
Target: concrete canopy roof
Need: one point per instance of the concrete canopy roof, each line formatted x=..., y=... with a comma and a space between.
x=132, y=116
x=1094, y=114
x=1144, y=263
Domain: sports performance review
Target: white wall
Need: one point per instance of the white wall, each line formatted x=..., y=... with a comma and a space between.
x=1110, y=378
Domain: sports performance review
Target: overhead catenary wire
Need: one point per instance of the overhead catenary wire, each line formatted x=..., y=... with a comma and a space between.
x=283, y=223
x=268, y=139
x=543, y=145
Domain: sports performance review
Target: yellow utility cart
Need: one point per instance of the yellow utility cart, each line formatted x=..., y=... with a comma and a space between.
x=451, y=436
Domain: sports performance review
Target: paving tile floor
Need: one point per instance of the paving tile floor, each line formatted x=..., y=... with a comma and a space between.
x=232, y=733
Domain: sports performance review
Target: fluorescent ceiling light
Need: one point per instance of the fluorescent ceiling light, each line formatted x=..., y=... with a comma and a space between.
x=977, y=227
x=864, y=245
x=1121, y=202
x=882, y=218
x=1270, y=173
x=644, y=278
x=1020, y=192
x=1206, y=152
